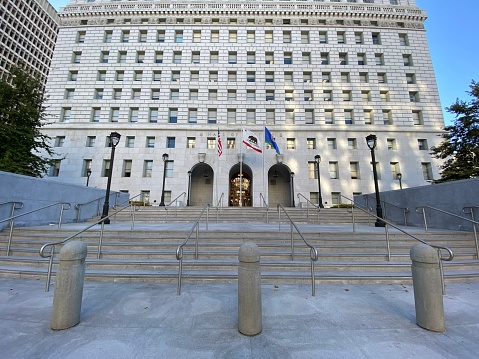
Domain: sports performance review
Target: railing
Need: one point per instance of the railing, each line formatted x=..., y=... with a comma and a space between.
x=79, y=205
x=313, y=252
x=471, y=212
x=169, y=205
x=45, y=254
x=308, y=202
x=220, y=201
x=385, y=206
x=386, y=227
x=265, y=205
x=12, y=214
x=64, y=206
x=423, y=211
x=179, y=250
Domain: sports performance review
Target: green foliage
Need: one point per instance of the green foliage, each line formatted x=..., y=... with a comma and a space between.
x=460, y=148
x=22, y=115
x=342, y=205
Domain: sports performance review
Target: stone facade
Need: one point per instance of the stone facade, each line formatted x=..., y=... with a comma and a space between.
x=320, y=76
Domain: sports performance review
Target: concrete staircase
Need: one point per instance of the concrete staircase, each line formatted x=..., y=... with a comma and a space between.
x=147, y=254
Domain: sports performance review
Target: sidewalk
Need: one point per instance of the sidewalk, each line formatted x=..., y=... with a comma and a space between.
x=121, y=320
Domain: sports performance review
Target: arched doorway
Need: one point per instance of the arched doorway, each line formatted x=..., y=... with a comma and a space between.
x=202, y=178
x=241, y=186
x=279, y=186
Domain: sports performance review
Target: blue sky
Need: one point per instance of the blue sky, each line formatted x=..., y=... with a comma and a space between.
x=453, y=41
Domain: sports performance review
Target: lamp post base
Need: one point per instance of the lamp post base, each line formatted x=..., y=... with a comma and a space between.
x=379, y=223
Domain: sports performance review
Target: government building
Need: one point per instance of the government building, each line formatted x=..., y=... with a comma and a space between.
x=172, y=76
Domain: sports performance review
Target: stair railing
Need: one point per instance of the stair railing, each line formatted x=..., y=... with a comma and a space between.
x=12, y=214
x=64, y=206
x=79, y=205
x=471, y=212
x=262, y=200
x=313, y=252
x=385, y=205
x=422, y=209
x=51, y=253
x=179, y=250
x=439, y=249
x=169, y=205
x=220, y=201
x=308, y=203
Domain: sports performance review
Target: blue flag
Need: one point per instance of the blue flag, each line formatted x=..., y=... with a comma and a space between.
x=268, y=138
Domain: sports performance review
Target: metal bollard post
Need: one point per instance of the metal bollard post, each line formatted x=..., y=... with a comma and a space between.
x=69, y=286
x=249, y=290
x=426, y=278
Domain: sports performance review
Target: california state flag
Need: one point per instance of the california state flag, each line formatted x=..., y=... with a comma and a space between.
x=251, y=140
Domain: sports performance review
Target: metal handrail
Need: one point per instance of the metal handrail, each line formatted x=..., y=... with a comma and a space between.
x=78, y=207
x=422, y=208
x=299, y=195
x=176, y=207
x=263, y=203
x=179, y=250
x=313, y=252
x=176, y=198
x=12, y=214
x=220, y=201
x=11, y=219
x=386, y=227
x=51, y=254
x=471, y=212
x=404, y=209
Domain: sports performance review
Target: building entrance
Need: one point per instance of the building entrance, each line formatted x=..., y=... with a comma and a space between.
x=202, y=178
x=241, y=187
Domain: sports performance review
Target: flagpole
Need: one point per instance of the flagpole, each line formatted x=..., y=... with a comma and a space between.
x=241, y=170
x=264, y=148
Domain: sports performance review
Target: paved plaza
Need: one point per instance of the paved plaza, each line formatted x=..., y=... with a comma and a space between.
x=147, y=320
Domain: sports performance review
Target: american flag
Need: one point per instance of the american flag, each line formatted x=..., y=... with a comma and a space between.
x=220, y=145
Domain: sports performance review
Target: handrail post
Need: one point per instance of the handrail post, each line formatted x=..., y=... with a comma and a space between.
x=180, y=270
x=292, y=241
x=197, y=235
x=78, y=207
x=11, y=229
x=49, y=274
x=388, y=245
x=424, y=216
x=133, y=217
x=102, y=225
x=405, y=218
x=207, y=215
x=475, y=233
x=354, y=218
x=313, y=280
x=279, y=218
x=441, y=270
x=61, y=216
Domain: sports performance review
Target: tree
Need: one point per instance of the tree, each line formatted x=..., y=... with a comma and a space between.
x=460, y=148
x=22, y=115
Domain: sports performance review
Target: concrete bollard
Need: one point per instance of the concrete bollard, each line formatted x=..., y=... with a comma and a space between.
x=427, y=283
x=69, y=286
x=249, y=290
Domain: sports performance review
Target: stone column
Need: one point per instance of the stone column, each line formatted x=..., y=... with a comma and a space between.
x=249, y=290
x=69, y=286
x=427, y=283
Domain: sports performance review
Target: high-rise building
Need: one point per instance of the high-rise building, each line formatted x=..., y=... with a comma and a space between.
x=171, y=76
x=28, y=35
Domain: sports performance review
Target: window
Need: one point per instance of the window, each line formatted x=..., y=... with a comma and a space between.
x=191, y=142
x=311, y=143
x=159, y=57
x=213, y=57
x=212, y=115
x=231, y=143
x=135, y=94
x=174, y=94
x=98, y=94
x=288, y=58
x=346, y=95
x=427, y=171
x=403, y=40
x=352, y=144
x=95, y=115
x=147, y=168
x=343, y=58
x=358, y=38
x=422, y=144
x=348, y=117
x=379, y=59
x=376, y=38
x=306, y=58
x=288, y=77
x=407, y=60
x=331, y=143
x=213, y=77
x=324, y=58
x=160, y=36
x=394, y=170
x=105, y=168
x=231, y=115
x=155, y=94
x=326, y=77
x=212, y=94
x=414, y=96
x=387, y=117
x=250, y=95
x=391, y=143
x=73, y=76
x=327, y=95
x=269, y=76
x=130, y=141
x=81, y=37
x=69, y=94
x=195, y=57
x=90, y=141
x=76, y=57
x=341, y=37
x=125, y=36
x=289, y=95
x=361, y=59
x=250, y=76
x=54, y=168
x=59, y=141
x=269, y=58
x=133, y=115
x=307, y=77
x=335, y=198
x=269, y=95
x=107, y=36
x=197, y=36
x=126, y=171
x=138, y=75
x=153, y=118
x=193, y=94
x=178, y=36
x=410, y=79
x=290, y=143
x=170, y=142
x=175, y=76
x=417, y=118
x=323, y=37
x=268, y=36
x=140, y=57
x=86, y=167
x=328, y=117
x=231, y=95
x=192, y=115
x=382, y=78
x=142, y=35
x=194, y=76
x=384, y=96
x=289, y=116
x=308, y=95
x=366, y=95
x=101, y=76
x=354, y=170
x=305, y=37
x=312, y=173
x=119, y=75
x=211, y=143
x=232, y=36
x=250, y=116
x=150, y=142
x=250, y=36
x=169, y=170
x=363, y=77
x=345, y=77
x=270, y=116
x=333, y=170
x=309, y=116
x=215, y=36
x=177, y=57
x=286, y=37
x=368, y=117
x=173, y=115
x=378, y=171
x=66, y=114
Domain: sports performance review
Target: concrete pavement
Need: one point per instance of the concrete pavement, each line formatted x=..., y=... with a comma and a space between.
x=123, y=320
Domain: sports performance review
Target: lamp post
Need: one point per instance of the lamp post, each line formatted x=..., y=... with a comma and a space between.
x=371, y=142
x=399, y=176
x=88, y=174
x=165, y=160
x=292, y=189
x=189, y=189
x=114, y=140
x=317, y=159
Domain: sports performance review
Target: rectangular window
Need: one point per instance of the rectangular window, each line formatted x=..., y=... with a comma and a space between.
x=175, y=76
x=286, y=37
x=101, y=75
x=153, y=118
x=212, y=115
x=250, y=95
x=305, y=37
x=105, y=168
x=269, y=58
x=251, y=116
x=177, y=57
x=76, y=57
x=135, y=94
x=231, y=143
x=150, y=142
x=308, y=95
x=269, y=76
x=324, y=58
x=130, y=141
x=105, y=55
x=191, y=142
x=212, y=94
x=173, y=115
x=358, y=37
x=270, y=116
x=59, y=141
x=328, y=117
x=178, y=36
x=346, y=95
x=125, y=36
x=269, y=95
x=414, y=96
x=195, y=57
x=66, y=114
x=268, y=36
x=231, y=95
x=326, y=77
x=417, y=118
x=159, y=57
x=354, y=169
x=174, y=94
x=376, y=38
x=288, y=58
x=387, y=117
x=169, y=173
x=95, y=115
x=213, y=77
x=215, y=36
x=341, y=37
x=333, y=170
x=250, y=76
x=231, y=115
x=211, y=143
x=306, y=58
x=232, y=76
x=147, y=168
x=90, y=141
x=331, y=143
x=194, y=76
x=107, y=36
x=197, y=36
x=327, y=95
x=289, y=116
x=86, y=168
x=312, y=173
x=343, y=58
x=140, y=57
x=335, y=198
x=352, y=144
x=391, y=143
x=126, y=171
x=407, y=60
x=290, y=143
x=311, y=143
x=309, y=116
x=403, y=40
x=363, y=77
x=368, y=117
x=394, y=170
x=193, y=94
x=142, y=36
x=323, y=37
x=379, y=59
x=192, y=115
x=119, y=75
x=289, y=95
x=155, y=94
x=307, y=77
x=232, y=36
x=410, y=79
x=422, y=145
x=138, y=75
x=133, y=115
x=73, y=76
x=170, y=142
x=160, y=36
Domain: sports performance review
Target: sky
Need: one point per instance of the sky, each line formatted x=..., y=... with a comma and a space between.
x=453, y=41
